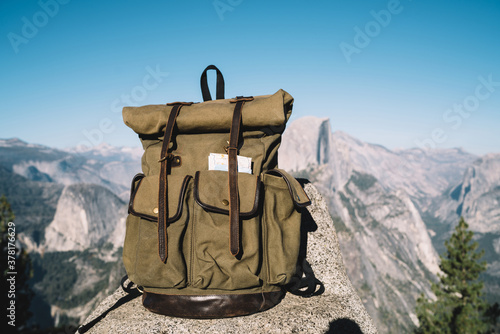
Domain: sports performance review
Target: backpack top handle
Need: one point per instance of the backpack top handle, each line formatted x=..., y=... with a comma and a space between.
x=204, y=84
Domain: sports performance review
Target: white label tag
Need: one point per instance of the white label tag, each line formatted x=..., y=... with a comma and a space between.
x=217, y=161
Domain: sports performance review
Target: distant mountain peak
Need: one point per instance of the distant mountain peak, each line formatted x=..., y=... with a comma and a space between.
x=107, y=152
x=85, y=148
x=16, y=142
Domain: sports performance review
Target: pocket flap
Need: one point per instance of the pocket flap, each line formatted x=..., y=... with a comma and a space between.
x=144, y=196
x=211, y=192
x=297, y=193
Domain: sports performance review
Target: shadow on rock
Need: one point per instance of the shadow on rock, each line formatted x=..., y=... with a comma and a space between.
x=344, y=326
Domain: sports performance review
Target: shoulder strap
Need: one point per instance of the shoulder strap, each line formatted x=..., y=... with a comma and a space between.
x=131, y=294
x=306, y=284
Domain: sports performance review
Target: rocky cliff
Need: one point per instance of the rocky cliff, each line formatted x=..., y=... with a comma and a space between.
x=377, y=198
x=476, y=197
x=335, y=308
x=87, y=216
x=70, y=215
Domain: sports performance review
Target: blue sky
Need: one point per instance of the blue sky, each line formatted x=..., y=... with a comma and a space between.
x=397, y=73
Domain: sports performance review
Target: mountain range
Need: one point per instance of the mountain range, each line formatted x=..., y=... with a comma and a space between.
x=70, y=208
x=392, y=210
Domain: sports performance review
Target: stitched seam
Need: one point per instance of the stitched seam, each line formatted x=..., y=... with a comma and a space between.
x=265, y=236
x=191, y=250
x=263, y=303
x=137, y=247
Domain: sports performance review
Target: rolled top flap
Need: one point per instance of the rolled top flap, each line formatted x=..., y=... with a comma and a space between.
x=211, y=192
x=144, y=196
x=297, y=193
x=211, y=116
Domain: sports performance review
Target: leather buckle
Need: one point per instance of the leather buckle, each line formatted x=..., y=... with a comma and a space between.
x=181, y=103
x=241, y=98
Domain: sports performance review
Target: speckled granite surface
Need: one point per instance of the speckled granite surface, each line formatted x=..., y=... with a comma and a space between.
x=337, y=310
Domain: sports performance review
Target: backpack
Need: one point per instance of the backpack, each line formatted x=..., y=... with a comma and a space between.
x=214, y=227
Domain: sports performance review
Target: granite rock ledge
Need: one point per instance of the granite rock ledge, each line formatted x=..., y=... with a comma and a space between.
x=338, y=310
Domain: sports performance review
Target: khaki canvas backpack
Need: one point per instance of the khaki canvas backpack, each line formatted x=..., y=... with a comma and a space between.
x=214, y=226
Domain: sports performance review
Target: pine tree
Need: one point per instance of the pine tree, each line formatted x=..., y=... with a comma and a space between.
x=21, y=266
x=459, y=306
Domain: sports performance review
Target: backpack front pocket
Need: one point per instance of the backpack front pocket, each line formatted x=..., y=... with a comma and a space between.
x=140, y=251
x=213, y=266
x=281, y=221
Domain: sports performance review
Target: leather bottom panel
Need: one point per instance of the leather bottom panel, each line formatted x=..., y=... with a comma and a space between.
x=210, y=306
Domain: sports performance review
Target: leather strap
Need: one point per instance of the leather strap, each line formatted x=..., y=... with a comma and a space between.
x=131, y=293
x=212, y=306
x=306, y=279
x=204, y=84
x=165, y=160
x=234, y=204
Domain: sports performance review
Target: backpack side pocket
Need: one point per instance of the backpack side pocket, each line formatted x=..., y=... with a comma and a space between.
x=140, y=250
x=284, y=199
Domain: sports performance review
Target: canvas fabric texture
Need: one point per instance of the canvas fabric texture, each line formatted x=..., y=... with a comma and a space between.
x=225, y=235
